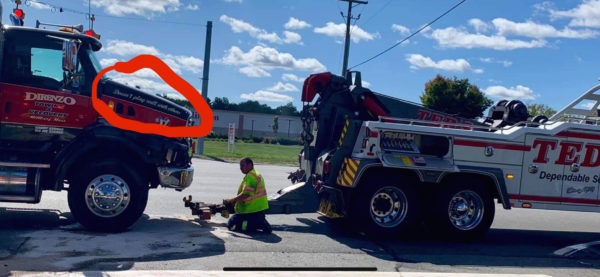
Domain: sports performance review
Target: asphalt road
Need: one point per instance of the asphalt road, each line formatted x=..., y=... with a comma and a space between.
x=43, y=237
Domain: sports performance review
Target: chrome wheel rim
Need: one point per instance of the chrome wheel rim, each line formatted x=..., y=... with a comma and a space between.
x=465, y=210
x=389, y=206
x=107, y=195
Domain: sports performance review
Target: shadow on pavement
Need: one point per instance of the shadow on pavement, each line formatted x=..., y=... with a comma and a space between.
x=47, y=240
x=258, y=236
x=500, y=247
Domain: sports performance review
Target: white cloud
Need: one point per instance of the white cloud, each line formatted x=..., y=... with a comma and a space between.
x=127, y=48
x=267, y=96
x=339, y=31
x=479, y=25
x=254, y=72
x=192, y=7
x=520, y=92
x=459, y=65
x=587, y=14
x=291, y=37
x=455, y=38
x=152, y=86
x=403, y=30
x=283, y=87
x=108, y=62
x=142, y=73
x=39, y=6
x=504, y=63
x=266, y=58
x=539, y=31
x=190, y=63
x=234, y=1
x=240, y=26
x=291, y=77
x=145, y=8
x=296, y=24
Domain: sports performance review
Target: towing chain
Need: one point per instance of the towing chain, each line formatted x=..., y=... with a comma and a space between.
x=307, y=119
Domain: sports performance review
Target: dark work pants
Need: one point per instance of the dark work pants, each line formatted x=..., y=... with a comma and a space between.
x=248, y=222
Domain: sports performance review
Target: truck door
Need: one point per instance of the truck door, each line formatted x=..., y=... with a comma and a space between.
x=39, y=113
x=581, y=184
x=542, y=176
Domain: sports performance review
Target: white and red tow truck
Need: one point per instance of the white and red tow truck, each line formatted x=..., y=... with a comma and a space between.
x=387, y=164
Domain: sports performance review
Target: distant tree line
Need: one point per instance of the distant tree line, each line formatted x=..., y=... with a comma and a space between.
x=222, y=103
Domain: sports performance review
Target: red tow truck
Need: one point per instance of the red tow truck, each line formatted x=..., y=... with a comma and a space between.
x=51, y=138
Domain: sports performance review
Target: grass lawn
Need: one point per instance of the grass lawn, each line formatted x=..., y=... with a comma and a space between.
x=258, y=152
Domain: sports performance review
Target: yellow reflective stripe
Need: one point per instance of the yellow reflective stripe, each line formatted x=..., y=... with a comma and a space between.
x=353, y=166
x=258, y=179
x=260, y=189
x=344, y=131
x=244, y=225
x=347, y=180
x=250, y=199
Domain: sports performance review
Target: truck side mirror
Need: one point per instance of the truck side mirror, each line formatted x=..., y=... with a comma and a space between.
x=69, y=62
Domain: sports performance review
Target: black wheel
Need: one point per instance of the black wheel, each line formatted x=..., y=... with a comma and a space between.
x=107, y=196
x=387, y=207
x=463, y=210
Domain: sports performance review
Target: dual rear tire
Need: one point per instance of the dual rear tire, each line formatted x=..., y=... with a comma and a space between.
x=462, y=210
x=388, y=208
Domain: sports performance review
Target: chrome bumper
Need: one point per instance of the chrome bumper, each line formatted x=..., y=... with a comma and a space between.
x=175, y=178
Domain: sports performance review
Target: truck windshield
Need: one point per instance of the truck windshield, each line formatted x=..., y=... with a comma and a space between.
x=95, y=63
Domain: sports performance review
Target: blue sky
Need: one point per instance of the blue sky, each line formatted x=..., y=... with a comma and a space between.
x=537, y=51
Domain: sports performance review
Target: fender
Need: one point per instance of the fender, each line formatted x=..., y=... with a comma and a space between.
x=495, y=174
x=147, y=148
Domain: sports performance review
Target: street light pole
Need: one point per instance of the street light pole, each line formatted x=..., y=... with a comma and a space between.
x=205, y=70
x=347, y=42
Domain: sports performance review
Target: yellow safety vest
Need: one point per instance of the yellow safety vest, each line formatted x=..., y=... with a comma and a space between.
x=253, y=185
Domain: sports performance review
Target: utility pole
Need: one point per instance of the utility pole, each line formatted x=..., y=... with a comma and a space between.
x=347, y=44
x=205, y=70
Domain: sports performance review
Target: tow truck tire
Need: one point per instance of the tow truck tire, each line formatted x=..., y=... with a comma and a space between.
x=463, y=210
x=387, y=207
x=107, y=196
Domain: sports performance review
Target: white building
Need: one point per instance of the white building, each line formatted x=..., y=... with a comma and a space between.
x=256, y=124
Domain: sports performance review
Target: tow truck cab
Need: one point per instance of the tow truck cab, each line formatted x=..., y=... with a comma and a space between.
x=51, y=138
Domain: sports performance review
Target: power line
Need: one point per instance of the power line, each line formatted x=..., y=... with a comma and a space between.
x=377, y=12
x=410, y=36
x=54, y=8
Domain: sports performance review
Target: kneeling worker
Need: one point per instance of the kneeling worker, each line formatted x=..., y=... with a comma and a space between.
x=250, y=203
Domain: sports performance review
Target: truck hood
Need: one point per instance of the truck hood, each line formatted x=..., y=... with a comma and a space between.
x=139, y=97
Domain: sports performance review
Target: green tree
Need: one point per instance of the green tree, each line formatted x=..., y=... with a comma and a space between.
x=287, y=109
x=222, y=103
x=275, y=125
x=540, y=109
x=254, y=107
x=455, y=97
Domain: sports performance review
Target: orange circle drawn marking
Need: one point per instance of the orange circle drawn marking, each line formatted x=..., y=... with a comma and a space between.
x=173, y=80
